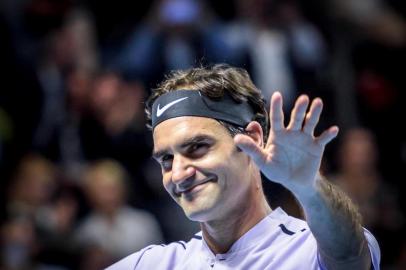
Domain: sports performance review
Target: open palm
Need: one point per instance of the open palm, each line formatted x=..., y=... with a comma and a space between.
x=292, y=154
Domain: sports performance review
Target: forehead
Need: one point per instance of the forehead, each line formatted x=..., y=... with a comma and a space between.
x=176, y=130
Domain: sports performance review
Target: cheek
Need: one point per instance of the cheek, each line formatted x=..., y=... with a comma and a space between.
x=216, y=160
x=228, y=171
x=166, y=181
x=237, y=172
x=224, y=162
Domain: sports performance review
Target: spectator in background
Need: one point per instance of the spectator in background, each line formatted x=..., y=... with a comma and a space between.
x=39, y=223
x=359, y=176
x=70, y=46
x=283, y=49
x=69, y=146
x=32, y=187
x=368, y=45
x=113, y=229
x=117, y=103
x=18, y=243
x=64, y=73
x=116, y=122
x=176, y=34
x=373, y=18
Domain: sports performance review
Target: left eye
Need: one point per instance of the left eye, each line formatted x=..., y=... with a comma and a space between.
x=198, y=148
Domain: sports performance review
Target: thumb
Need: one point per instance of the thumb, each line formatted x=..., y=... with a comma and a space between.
x=248, y=146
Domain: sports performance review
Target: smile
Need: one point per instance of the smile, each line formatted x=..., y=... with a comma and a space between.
x=194, y=188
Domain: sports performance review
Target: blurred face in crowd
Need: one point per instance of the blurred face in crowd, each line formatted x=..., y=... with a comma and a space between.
x=35, y=182
x=105, y=191
x=358, y=150
x=202, y=169
x=105, y=90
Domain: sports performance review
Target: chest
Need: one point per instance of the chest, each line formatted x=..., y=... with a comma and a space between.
x=286, y=257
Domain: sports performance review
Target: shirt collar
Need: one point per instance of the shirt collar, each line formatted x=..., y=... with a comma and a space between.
x=252, y=236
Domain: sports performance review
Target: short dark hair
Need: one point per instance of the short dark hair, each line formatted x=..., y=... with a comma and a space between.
x=213, y=82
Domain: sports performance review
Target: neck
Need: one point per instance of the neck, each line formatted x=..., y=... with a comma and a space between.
x=221, y=234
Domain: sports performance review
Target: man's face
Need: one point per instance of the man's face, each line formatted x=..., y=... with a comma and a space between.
x=202, y=169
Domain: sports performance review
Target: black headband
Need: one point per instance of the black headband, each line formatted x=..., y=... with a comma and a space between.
x=193, y=103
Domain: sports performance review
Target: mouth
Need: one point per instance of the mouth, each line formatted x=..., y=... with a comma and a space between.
x=188, y=190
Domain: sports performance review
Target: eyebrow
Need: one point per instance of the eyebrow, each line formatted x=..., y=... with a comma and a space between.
x=193, y=140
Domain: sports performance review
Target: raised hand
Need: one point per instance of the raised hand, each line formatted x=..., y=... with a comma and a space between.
x=292, y=154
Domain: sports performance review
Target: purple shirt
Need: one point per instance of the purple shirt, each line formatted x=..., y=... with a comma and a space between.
x=279, y=241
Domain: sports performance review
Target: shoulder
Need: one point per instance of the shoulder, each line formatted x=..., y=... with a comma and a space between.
x=162, y=256
x=289, y=226
x=286, y=236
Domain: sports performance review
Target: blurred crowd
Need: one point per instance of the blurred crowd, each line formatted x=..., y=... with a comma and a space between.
x=79, y=188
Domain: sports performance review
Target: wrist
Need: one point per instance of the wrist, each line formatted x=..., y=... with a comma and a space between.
x=308, y=193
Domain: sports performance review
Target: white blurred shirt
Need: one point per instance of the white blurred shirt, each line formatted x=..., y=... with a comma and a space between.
x=131, y=229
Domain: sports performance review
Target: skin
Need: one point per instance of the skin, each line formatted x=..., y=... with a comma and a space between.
x=208, y=182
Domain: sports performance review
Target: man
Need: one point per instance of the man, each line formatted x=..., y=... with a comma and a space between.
x=212, y=140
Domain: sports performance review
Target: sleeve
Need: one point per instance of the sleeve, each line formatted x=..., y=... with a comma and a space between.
x=374, y=251
x=131, y=261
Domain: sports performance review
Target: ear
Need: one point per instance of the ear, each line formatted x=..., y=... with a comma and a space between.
x=254, y=130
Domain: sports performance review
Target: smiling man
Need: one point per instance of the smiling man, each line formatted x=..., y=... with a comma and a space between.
x=213, y=138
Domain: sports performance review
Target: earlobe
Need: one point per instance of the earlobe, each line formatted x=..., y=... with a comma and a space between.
x=254, y=130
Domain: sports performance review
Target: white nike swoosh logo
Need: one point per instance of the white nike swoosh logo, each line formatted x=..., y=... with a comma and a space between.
x=160, y=111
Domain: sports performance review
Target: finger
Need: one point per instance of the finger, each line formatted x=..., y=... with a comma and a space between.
x=327, y=135
x=298, y=113
x=313, y=116
x=248, y=146
x=276, y=112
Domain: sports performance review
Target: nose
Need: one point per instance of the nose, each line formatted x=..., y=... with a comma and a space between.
x=182, y=169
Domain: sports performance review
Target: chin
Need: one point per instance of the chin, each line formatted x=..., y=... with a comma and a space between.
x=197, y=218
x=203, y=207
x=199, y=215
